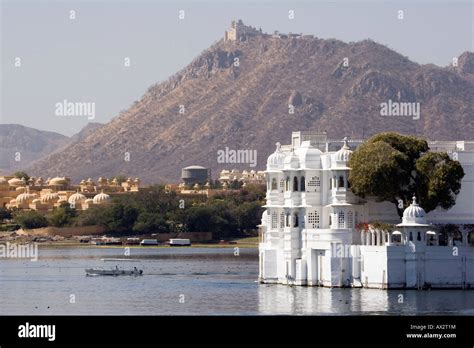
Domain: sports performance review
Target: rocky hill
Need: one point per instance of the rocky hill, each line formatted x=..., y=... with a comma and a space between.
x=33, y=145
x=20, y=146
x=236, y=94
x=88, y=129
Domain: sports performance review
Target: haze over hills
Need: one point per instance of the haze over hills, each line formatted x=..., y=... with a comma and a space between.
x=236, y=94
x=28, y=145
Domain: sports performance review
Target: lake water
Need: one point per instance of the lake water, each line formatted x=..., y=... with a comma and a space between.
x=191, y=281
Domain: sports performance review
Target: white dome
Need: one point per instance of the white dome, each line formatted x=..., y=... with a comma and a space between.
x=309, y=156
x=344, y=153
x=414, y=214
x=101, y=198
x=36, y=200
x=25, y=197
x=16, y=182
x=276, y=159
x=50, y=197
x=77, y=198
x=57, y=181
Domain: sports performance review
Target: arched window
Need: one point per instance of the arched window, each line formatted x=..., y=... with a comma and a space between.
x=287, y=187
x=330, y=220
x=295, y=184
x=274, y=220
x=296, y=220
x=341, y=182
x=274, y=184
x=350, y=219
x=411, y=236
x=302, y=184
x=396, y=238
x=418, y=237
x=340, y=219
x=330, y=183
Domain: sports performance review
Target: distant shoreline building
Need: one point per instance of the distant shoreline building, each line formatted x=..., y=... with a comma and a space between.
x=316, y=232
x=45, y=195
x=195, y=175
x=246, y=176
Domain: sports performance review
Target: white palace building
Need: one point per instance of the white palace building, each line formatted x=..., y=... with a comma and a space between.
x=311, y=230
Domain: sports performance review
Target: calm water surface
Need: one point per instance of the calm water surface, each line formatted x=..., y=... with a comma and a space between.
x=209, y=281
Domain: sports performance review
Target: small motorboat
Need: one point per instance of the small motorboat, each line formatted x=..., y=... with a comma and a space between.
x=113, y=272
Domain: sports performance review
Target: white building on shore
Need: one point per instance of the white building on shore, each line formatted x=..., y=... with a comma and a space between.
x=311, y=235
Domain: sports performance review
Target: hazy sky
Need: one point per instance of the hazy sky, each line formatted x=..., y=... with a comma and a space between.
x=82, y=60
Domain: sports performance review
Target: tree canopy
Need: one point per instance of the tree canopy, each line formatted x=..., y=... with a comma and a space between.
x=154, y=210
x=21, y=175
x=393, y=167
x=62, y=216
x=29, y=219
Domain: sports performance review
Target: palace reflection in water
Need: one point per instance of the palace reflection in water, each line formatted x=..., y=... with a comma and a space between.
x=284, y=300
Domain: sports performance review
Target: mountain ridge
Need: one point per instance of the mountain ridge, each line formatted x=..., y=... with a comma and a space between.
x=245, y=106
x=33, y=144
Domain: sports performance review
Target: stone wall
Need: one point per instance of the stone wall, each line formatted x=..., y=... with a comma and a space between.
x=63, y=231
x=436, y=267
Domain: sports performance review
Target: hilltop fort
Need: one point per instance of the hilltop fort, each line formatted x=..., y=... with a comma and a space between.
x=240, y=32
